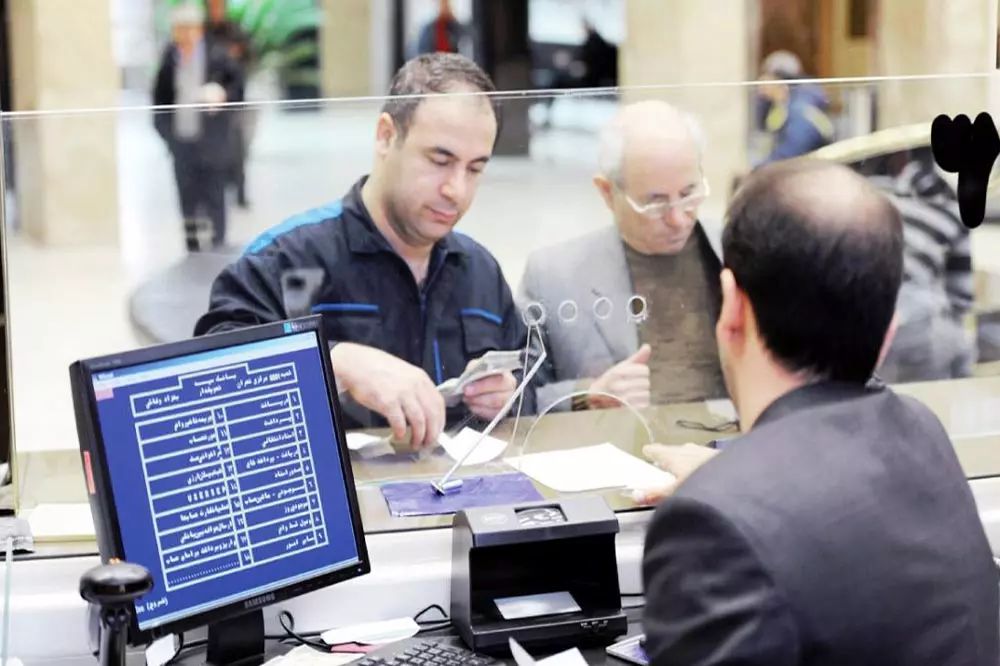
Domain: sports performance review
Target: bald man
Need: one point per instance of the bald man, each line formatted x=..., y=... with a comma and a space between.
x=839, y=527
x=629, y=310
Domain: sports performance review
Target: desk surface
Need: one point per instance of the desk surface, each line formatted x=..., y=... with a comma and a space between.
x=969, y=409
x=595, y=656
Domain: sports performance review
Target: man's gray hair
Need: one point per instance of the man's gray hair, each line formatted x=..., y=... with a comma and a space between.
x=611, y=153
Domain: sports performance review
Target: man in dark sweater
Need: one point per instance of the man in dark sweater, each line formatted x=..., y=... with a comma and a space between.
x=631, y=307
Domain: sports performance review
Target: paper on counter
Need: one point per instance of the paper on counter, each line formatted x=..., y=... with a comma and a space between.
x=722, y=407
x=161, y=650
x=55, y=521
x=571, y=657
x=369, y=446
x=590, y=468
x=359, y=440
x=304, y=655
x=459, y=445
x=372, y=633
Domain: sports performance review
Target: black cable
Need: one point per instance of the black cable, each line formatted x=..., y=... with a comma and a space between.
x=432, y=625
x=289, y=628
x=724, y=426
x=177, y=652
x=425, y=628
x=444, y=615
x=182, y=646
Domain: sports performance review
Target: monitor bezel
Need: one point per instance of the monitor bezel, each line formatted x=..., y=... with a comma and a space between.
x=102, y=481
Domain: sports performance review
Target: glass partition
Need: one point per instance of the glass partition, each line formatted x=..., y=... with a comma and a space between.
x=599, y=235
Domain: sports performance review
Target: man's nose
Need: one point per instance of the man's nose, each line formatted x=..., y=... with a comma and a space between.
x=677, y=217
x=455, y=186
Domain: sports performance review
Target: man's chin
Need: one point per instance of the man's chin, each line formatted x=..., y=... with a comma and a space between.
x=431, y=233
x=668, y=248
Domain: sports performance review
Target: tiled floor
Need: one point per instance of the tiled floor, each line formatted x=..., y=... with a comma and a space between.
x=71, y=303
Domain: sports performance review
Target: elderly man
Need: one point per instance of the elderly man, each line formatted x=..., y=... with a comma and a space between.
x=630, y=309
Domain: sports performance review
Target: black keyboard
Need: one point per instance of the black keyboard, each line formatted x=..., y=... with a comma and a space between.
x=425, y=653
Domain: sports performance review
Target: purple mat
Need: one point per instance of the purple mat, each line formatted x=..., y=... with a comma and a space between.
x=418, y=498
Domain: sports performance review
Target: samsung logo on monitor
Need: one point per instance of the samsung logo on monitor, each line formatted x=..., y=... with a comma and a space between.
x=262, y=600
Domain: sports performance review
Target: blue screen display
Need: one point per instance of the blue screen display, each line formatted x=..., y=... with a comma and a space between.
x=226, y=473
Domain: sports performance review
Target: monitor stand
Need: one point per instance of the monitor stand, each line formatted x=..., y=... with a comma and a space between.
x=237, y=640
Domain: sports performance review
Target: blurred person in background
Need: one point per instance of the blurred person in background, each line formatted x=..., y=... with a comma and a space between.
x=599, y=58
x=231, y=37
x=443, y=34
x=195, y=71
x=937, y=290
x=794, y=114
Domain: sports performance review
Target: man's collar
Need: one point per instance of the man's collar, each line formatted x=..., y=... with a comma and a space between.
x=814, y=394
x=363, y=237
x=706, y=247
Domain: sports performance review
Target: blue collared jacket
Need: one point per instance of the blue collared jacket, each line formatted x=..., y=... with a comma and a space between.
x=333, y=261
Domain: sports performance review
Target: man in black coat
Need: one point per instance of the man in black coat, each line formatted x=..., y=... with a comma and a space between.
x=196, y=71
x=839, y=528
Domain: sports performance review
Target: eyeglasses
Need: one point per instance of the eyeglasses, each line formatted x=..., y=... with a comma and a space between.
x=658, y=209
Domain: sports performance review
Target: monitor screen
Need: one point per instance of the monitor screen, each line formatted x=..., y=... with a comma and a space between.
x=226, y=473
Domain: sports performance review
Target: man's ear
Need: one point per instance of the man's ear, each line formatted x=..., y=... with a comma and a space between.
x=732, y=315
x=604, y=187
x=385, y=134
x=890, y=335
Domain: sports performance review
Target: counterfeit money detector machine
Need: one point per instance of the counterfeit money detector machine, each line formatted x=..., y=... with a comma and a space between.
x=544, y=573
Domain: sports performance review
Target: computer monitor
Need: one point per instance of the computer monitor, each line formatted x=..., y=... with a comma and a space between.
x=219, y=464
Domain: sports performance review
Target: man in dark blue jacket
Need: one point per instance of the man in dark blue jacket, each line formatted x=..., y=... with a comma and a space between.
x=794, y=113
x=407, y=303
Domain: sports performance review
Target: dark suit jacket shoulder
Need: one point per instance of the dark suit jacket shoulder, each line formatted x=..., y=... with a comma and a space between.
x=841, y=529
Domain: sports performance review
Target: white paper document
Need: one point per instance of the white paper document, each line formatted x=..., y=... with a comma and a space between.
x=372, y=633
x=306, y=655
x=161, y=650
x=571, y=657
x=723, y=408
x=590, y=468
x=368, y=446
x=55, y=521
x=359, y=440
x=459, y=445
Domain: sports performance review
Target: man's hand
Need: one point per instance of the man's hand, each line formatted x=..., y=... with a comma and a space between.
x=680, y=461
x=400, y=392
x=628, y=380
x=484, y=397
x=212, y=93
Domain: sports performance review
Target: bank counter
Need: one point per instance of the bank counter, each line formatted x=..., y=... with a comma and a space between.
x=410, y=556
